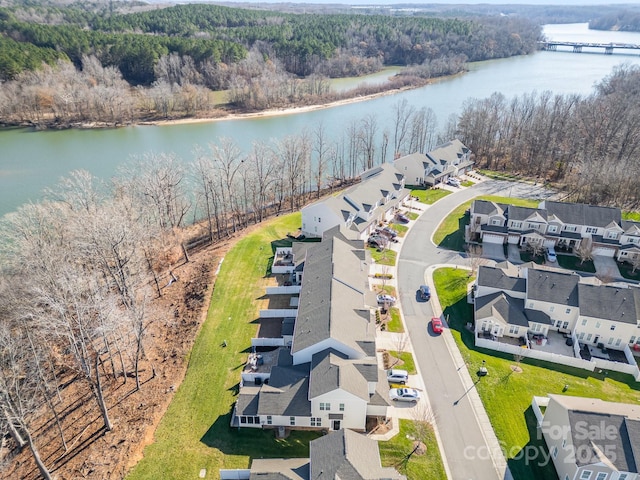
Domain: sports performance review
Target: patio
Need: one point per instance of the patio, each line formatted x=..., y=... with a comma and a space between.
x=556, y=343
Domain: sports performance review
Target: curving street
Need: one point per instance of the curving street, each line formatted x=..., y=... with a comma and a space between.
x=470, y=447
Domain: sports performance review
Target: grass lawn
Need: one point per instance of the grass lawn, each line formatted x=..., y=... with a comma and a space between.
x=412, y=215
x=385, y=257
x=401, y=229
x=429, y=195
x=635, y=216
x=507, y=395
x=626, y=270
x=450, y=233
x=194, y=433
x=395, y=325
x=418, y=467
x=467, y=183
x=408, y=365
x=571, y=262
x=529, y=257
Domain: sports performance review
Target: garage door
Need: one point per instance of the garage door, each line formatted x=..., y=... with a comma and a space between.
x=604, y=251
x=489, y=238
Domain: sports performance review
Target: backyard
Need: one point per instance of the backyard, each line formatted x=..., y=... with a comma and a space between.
x=506, y=393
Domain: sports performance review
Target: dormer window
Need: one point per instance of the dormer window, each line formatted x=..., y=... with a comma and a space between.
x=612, y=235
x=592, y=230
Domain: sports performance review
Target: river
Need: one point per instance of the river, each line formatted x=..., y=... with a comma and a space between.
x=33, y=160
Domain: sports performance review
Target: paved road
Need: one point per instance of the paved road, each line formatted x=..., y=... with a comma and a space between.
x=463, y=440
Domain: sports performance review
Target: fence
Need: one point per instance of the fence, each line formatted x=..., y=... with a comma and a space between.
x=267, y=342
x=279, y=313
x=561, y=359
x=235, y=474
x=290, y=290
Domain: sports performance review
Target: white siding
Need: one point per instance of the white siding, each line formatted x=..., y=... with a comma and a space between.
x=354, y=413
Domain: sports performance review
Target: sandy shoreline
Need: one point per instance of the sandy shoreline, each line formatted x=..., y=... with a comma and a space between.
x=278, y=111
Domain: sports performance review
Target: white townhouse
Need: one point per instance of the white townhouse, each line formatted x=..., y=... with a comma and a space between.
x=556, y=224
x=515, y=301
x=329, y=377
x=591, y=439
x=436, y=166
x=360, y=207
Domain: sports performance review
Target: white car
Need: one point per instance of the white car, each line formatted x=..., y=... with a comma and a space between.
x=454, y=182
x=397, y=376
x=404, y=395
x=551, y=254
x=388, y=299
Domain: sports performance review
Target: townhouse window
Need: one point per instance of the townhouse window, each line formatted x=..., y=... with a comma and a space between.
x=325, y=406
x=623, y=254
x=567, y=311
x=496, y=222
x=601, y=476
x=319, y=220
x=552, y=229
x=584, y=322
x=613, y=327
x=530, y=305
x=598, y=324
x=341, y=407
x=589, y=337
x=565, y=325
x=581, y=336
x=585, y=475
x=592, y=230
x=532, y=225
x=292, y=420
x=256, y=420
x=516, y=224
x=612, y=235
x=618, y=342
x=632, y=339
x=623, y=476
x=316, y=422
x=610, y=342
x=552, y=308
x=514, y=330
x=243, y=419
x=269, y=420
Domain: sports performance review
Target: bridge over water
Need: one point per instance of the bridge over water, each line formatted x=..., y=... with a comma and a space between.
x=578, y=46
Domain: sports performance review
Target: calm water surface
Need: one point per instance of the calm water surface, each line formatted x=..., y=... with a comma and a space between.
x=31, y=161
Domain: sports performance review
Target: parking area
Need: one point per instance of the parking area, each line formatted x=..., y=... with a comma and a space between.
x=494, y=251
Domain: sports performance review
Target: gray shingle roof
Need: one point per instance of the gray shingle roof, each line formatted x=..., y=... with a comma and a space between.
x=582, y=214
x=485, y=207
x=280, y=469
x=332, y=297
x=537, y=316
x=553, y=287
x=630, y=227
x=503, y=307
x=611, y=438
x=498, y=278
x=331, y=370
x=286, y=393
x=609, y=302
x=450, y=153
x=523, y=213
x=347, y=455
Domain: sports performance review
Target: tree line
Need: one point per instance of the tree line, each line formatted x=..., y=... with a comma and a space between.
x=214, y=37
x=589, y=144
x=622, y=21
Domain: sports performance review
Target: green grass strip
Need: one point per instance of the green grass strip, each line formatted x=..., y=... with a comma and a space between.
x=195, y=433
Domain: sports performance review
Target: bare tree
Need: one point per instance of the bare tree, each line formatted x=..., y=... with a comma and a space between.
x=320, y=159
x=402, y=113
x=585, y=250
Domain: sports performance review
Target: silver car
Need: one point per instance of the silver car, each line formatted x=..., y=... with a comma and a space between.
x=404, y=395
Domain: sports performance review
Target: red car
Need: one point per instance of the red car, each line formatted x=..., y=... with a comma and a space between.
x=436, y=325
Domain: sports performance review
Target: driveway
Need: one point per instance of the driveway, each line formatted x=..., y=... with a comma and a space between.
x=606, y=267
x=494, y=251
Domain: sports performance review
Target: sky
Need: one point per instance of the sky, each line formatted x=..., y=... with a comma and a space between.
x=447, y=2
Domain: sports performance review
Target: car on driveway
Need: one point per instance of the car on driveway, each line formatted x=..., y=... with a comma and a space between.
x=402, y=218
x=425, y=293
x=377, y=241
x=384, y=298
x=397, y=376
x=389, y=231
x=551, y=254
x=436, y=325
x=454, y=182
x=404, y=395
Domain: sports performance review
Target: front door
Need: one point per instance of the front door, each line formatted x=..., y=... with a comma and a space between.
x=336, y=425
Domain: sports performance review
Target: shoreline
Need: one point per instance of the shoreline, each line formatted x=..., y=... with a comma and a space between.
x=276, y=112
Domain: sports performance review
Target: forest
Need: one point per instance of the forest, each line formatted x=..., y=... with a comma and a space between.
x=623, y=21
x=165, y=62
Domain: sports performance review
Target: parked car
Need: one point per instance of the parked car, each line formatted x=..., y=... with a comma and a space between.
x=404, y=395
x=425, y=292
x=397, y=376
x=390, y=231
x=383, y=298
x=377, y=241
x=436, y=325
x=454, y=182
x=387, y=236
x=551, y=254
x=402, y=218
